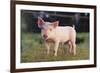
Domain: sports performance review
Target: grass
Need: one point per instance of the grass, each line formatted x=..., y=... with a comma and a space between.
x=33, y=49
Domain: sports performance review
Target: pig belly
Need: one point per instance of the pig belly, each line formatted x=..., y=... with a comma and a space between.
x=63, y=36
x=64, y=39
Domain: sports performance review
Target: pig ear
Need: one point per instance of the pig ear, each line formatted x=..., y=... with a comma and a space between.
x=40, y=22
x=55, y=24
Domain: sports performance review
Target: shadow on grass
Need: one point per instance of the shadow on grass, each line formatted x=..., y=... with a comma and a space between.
x=79, y=40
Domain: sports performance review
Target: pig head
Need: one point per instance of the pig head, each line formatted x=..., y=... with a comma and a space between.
x=52, y=32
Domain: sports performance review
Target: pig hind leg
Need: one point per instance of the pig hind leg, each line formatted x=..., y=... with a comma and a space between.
x=73, y=40
x=73, y=47
x=70, y=47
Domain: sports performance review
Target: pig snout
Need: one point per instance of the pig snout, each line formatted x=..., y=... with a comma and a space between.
x=45, y=36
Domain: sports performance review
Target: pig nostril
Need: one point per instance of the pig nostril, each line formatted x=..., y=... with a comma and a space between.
x=45, y=36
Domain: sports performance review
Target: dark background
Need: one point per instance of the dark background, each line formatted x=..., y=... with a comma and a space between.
x=29, y=19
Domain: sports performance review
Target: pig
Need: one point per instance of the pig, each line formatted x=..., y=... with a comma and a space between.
x=53, y=33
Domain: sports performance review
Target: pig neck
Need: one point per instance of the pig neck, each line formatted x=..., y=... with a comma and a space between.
x=52, y=35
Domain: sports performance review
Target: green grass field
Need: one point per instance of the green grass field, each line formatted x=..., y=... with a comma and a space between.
x=33, y=49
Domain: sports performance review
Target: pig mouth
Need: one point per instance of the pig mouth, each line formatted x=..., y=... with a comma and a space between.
x=47, y=39
x=50, y=40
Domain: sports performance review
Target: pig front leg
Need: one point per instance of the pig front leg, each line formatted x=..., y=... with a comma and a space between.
x=56, y=47
x=47, y=45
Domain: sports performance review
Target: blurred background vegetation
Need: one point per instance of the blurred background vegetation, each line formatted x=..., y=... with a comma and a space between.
x=32, y=44
x=29, y=19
